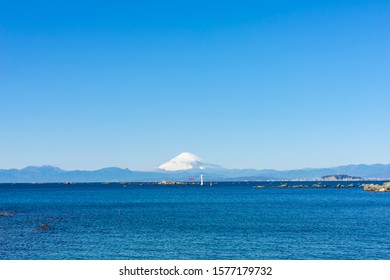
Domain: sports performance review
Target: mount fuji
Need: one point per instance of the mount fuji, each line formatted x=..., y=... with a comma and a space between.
x=187, y=162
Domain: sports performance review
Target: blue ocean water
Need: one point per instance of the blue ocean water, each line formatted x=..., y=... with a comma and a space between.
x=225, y=221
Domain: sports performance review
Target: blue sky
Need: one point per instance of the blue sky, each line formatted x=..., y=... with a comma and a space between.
x=243, y=84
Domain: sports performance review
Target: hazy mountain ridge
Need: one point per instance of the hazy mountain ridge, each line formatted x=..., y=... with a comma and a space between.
x=54, y=174
x=114, y=174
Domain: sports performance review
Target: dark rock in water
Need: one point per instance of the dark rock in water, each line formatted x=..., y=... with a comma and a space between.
x=45, y=226
x=377, y=187
x=319, y=186
x=7, y=214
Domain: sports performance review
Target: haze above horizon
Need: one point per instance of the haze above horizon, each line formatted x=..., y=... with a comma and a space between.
x=250, y=84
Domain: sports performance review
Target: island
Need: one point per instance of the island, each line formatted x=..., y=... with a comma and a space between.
x=340, y=178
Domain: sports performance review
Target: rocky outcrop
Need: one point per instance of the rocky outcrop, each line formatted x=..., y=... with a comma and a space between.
x=318, y=185
x=43, y=227
x=385, y=187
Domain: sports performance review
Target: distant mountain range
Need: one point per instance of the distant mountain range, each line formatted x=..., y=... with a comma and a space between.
x=186, y=167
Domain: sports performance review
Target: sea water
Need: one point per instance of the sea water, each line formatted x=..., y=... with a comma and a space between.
x=223, y=221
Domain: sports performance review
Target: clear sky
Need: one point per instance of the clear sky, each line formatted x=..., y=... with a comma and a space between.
x=244, y=84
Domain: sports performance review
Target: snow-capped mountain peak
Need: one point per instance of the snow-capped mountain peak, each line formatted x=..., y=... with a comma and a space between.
x=186, y=161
